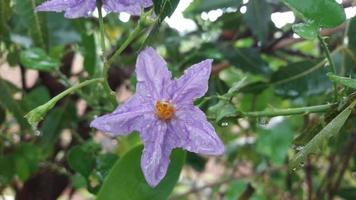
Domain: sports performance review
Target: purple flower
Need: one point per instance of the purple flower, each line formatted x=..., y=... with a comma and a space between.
x=162, y=111
x=82, y=8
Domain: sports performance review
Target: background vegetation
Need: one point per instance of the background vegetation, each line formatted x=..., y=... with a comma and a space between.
x=283, y=105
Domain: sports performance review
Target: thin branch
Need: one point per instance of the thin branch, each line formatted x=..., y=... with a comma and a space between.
x=289, y=111
x=350, y=150
x=225, y=180
x=309, y=178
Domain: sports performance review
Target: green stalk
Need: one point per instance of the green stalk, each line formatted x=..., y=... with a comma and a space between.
x=289, y=111
x=332, y=67
x=74, y=88
x=101, y=26
x=136, y=32
x=105, y=69
x=117, y=52
x=36, y=115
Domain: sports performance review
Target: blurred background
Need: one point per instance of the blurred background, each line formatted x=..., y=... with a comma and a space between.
x=248, y=39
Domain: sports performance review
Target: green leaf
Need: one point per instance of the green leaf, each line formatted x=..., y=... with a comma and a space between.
x=36, y=58
x=81, y=161
x=199, y=6
x=78, y=181
x=51, y=128
x=6, y=169
x=324, y=13
x=36, y=97
x=306, y=30
x=63, y=31
x=235, y=189
x=5, y=14
x=351, y=35
x=126, y=182
x=33, y=22
x=301, y=78
x=258, y=17
x=104, y=163
x=350, y=59
x=165, y=8
x=275, y=141
x=348, y=82
x=222, y=109
x=330, y=130
x=26, y=159
x=235, y=87
x=89, y=53
x=196, y=161
x=6, y=101
x=347, y=192
x=247, y=59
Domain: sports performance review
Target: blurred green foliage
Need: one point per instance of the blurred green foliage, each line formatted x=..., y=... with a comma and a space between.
x=257, y=67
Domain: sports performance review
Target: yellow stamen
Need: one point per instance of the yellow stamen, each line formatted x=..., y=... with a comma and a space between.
x=164, y=110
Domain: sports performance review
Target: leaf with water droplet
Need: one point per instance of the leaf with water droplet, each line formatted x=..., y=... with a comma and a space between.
x=222, y=109
x=307, y=30
x=330, y=130
x=36, y=58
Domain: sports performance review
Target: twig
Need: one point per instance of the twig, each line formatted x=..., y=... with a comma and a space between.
x=309, y=178
x=290, y=41
x=225, y=180
x=332, y=67
x=289, y=111
x=195, y=190
x=349, y=153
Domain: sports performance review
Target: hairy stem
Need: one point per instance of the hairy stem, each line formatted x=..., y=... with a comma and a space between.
x=108, y=62
x=74, y=88
x=101, y=26
x=289, y=111
x=332, y=67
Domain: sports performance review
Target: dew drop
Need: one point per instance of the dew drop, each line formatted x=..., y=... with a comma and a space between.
x=299, y=148
x=294, y=169
x=263, y=120
x=224, y=124
x=37, y=132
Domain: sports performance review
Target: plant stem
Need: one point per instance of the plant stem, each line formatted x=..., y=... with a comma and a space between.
x=332, y=67
x=102, y=31
x=289, y=111
x=327, y=54
x=74, y=88
x=107, y=63
x=122, y=47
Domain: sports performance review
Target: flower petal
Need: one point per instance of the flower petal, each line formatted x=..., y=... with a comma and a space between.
x=193, y=84
x=157, y=149
x=81, y=9
x=195, y=132
x=132, y=7
x=153, y=76
x=129, y=117
x=72, y=8
x=54, y=5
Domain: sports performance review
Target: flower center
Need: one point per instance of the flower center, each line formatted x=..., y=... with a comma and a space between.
x=164, y=110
